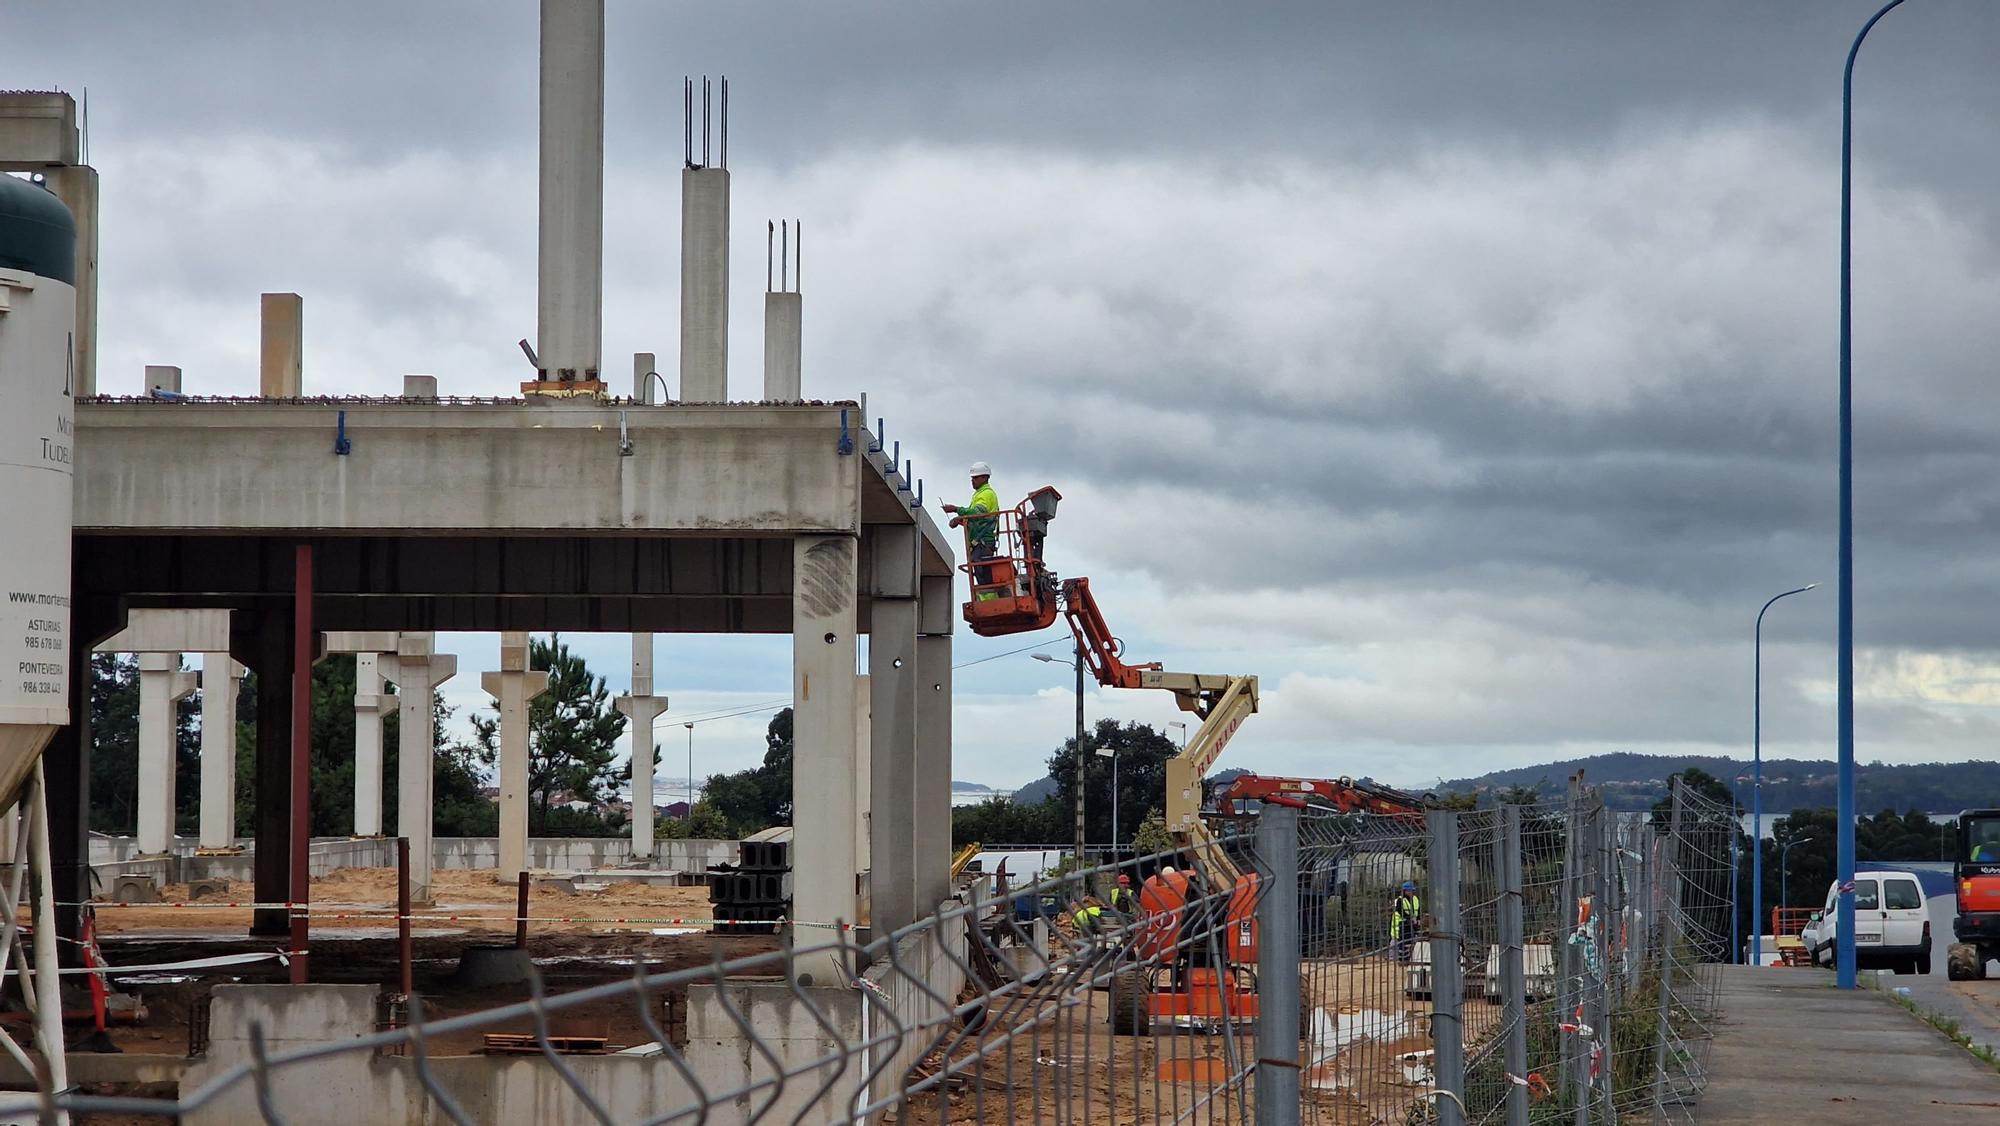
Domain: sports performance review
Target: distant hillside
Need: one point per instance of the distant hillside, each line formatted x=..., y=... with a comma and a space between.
x=970, y=788
x=1634, y=781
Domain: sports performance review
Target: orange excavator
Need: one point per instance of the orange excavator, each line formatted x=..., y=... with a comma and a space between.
x=1013, y=591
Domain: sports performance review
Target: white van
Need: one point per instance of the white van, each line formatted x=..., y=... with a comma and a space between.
x=1892, y=924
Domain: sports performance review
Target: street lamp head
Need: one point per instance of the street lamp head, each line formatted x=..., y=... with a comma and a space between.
x=1811, y=586
x=1106, y=752
x=1044, y=658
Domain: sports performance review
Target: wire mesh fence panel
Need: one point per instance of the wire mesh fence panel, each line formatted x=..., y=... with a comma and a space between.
x=1545, y=962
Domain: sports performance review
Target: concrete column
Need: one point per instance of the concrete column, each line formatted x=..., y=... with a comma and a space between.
x=372, y=704
x=932, y=791
x=221, y=684
x=162, y=684
x=417, y=386
x=823, y=725
x=419, y=672
x=76, y=186
x=705, y=285
x=892, y=806
x=862, y=785
x=642, y=708
x=281, y=369
x=569, y=307
x=645, y=385
x=163, y=377
x=513, y=686
x=784, y=340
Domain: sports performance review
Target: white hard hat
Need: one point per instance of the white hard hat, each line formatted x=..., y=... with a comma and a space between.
x=981, y=469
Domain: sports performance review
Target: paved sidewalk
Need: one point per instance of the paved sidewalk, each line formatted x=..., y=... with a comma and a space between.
x=1791, y=1048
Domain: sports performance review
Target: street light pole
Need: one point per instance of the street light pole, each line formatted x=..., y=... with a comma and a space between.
x=1844, y=674
x=1081, y=759
x=690, y=775
x=1757, y=781
x=1784, y=870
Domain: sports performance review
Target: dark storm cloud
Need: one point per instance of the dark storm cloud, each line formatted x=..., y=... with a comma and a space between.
x=1475, y=360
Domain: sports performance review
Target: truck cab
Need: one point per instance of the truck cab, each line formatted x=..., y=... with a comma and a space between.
x=1976, y=867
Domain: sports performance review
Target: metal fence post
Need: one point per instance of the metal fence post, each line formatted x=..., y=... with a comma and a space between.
x=1278, y=947
x=1447, y=984
x=1513, y=985
x=1567, y=958
x=1585, y=1001
x=1608, y=927
x=1670, y=904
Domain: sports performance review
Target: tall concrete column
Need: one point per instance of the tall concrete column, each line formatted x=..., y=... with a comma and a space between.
x=163, y=377
x=162, y=685
x=705, y=285
x=932, y=789
x=281, y=363
x=892, y=808
x=420, y=672
x=221, y=684
x=76, y=186
x=372, y=704
x=642, y=708
x=569, y=306
x=862, y=785
x=824, y=572
x=512, y=687
x=784, y=334
x=892, y=758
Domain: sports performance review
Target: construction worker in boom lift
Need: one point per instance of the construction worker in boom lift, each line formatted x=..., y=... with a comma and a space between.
x=1404, y=916
x=1122, y=899
x=981, y=536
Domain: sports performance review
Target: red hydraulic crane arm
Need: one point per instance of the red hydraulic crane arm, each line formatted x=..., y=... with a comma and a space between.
x=1344, y=794
x=1095, y=640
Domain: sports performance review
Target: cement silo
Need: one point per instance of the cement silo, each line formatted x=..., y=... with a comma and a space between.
x=37, y=376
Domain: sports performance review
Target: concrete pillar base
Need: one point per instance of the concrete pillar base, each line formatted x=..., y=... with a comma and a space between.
x=418, y=673
x=512, y=687
x=162, y=685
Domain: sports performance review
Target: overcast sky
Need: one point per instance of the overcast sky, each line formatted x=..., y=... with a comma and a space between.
x=1466, y=371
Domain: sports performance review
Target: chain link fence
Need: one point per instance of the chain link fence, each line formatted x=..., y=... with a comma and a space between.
x=1525, y=964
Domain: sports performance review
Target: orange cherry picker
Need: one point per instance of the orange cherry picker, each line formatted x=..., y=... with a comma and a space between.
x=1171, y=977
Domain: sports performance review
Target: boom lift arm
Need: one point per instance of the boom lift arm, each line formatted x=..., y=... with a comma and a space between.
x=1223, y=702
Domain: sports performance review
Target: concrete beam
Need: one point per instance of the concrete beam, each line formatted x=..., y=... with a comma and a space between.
x=570, y=252
x=363, y=641
x=419, y=673
x=823, y=703
x=221, y=686
x=705, y=285
x=162, y=685
x=643, y=709
x=372, y=704
x=513, y=686
x=784, y=344
x=281, y=365
x=537, y=468
x=171, y=631
x=37, y=131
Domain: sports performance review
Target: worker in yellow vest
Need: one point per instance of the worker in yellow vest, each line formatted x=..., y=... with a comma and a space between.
x=981, y=536
x=1405, y=917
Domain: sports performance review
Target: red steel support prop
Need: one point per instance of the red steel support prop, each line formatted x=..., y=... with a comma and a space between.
x=302, y=655
x=403, y=913
x=521, y=915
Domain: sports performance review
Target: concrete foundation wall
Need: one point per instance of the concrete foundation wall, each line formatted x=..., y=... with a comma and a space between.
x=359, y=1086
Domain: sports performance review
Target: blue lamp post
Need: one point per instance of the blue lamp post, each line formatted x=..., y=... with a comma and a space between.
x=1844, y=676
x=1757, y=782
